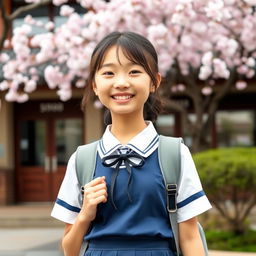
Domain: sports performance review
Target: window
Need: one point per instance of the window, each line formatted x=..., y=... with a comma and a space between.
x=165, y=125
x=187, y=134
x=235, y=128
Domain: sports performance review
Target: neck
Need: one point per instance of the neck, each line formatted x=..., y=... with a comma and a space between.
x=125, y=128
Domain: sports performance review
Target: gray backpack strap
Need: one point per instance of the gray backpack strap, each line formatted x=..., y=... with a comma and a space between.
x=85, y=166
x=85, y=162
x=169, y=156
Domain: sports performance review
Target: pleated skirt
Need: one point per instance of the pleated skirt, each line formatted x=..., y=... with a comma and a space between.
x=116, y=246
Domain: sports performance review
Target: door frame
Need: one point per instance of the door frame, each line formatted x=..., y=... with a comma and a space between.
x=48, y=110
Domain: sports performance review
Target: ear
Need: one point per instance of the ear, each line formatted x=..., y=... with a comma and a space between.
x=94, y=87
x=153, y=88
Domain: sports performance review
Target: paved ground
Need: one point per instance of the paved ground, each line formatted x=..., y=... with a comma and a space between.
x=27, y=230
x=30, y=242
x=46, y=242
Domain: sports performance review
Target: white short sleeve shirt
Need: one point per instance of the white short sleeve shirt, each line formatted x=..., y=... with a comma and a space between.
x=191, y=200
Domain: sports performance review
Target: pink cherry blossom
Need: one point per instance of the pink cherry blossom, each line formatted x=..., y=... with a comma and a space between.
x=64, y=94
x=98, y=104
x=214, y=9
x=205, y=72
x=243, y=69
x=12, y=95
x=220, y=68
x=250, y=74
x=7, y=43
x=241, y=85
x=210, y=37
x=80, y=83
x=251, y=2
x=66, y=10
x=199, y=27
x=59, y=2
x=33, y=71
x=207, y=58
x=49, y=25
x=4, y=86
x=32, y=1
x=4, y=57
x=30, y=86
x=29, y=20
x=250, y=62
x=23, y=97
x=207, y=90
x=181, y=87
x=53, y=76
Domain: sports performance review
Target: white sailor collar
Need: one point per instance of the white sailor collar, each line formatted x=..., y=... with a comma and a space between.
x=144, y=143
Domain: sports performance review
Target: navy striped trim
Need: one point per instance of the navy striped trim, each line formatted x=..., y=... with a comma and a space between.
x=103, y=150
x=102, y=146
x=191, y=199
x=150, y=146
x=67, y=206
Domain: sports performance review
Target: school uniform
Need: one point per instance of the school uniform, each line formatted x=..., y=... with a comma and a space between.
x=134, y=220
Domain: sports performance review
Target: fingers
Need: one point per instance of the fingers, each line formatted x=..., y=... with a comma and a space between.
x=96, y=187
x=95, y=191
x=101, y=195
x=95, y=182
x=100, y=199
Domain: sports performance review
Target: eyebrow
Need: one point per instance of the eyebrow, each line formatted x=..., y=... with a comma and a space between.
x=113, y=64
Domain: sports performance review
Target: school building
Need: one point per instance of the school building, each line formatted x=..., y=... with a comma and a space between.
x=38, y=137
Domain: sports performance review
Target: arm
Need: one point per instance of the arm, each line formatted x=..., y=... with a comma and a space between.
x=94, y=194
x=190, y=240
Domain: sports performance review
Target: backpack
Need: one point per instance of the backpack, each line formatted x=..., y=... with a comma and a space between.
x=169, y=157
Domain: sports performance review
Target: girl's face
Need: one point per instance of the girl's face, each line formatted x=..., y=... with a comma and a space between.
x=121, y=85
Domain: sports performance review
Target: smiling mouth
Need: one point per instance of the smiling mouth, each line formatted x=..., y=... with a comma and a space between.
x=122, y=97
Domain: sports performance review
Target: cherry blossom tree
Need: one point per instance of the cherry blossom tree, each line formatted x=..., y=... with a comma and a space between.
x=205, y=48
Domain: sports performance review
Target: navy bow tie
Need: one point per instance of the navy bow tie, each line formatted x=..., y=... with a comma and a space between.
x=130, y=160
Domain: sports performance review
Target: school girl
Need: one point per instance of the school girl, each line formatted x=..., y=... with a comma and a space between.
x=123, y=210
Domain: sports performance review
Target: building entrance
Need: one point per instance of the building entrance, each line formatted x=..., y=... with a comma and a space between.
x=47, y=133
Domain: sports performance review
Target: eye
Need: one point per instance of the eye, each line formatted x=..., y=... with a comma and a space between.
x=108, y=73
x=135, y=71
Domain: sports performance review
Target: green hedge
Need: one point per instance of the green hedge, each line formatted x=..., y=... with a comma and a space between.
x=228, y=241
x=227, y=167
x=228, y=176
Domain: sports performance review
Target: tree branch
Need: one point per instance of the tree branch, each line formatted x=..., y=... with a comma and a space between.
x=27, y=8
x=189, y=80
x=6, y=26
x=172, y=105
x=218, y=96
x=249, y=208
x=7, y=19
x=223, y=212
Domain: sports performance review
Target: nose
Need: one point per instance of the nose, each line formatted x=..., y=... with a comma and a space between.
x=121, y=82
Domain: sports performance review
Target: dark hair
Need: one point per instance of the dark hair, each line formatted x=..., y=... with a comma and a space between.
x=137, y=49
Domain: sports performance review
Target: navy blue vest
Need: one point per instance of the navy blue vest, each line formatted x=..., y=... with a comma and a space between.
x=146, y=215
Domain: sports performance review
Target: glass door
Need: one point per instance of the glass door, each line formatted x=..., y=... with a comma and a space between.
x=33, y=165
x=67, y=137
x=45, y=145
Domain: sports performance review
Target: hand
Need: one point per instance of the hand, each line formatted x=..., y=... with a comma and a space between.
x=95, y=192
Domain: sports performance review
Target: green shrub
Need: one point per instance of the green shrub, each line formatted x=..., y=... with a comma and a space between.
x=229, y=179
x=228, y=241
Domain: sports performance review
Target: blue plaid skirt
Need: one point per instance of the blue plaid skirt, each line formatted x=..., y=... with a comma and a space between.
x=118, y=246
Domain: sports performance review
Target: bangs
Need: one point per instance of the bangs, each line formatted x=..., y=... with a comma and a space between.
x=132, y=51
x=134, y=47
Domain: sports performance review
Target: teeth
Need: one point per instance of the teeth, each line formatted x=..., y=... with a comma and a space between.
x=125, y=97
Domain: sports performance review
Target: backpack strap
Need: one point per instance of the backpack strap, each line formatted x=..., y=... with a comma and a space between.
x=85, y=162
x=169, y=157
x=85, y=166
